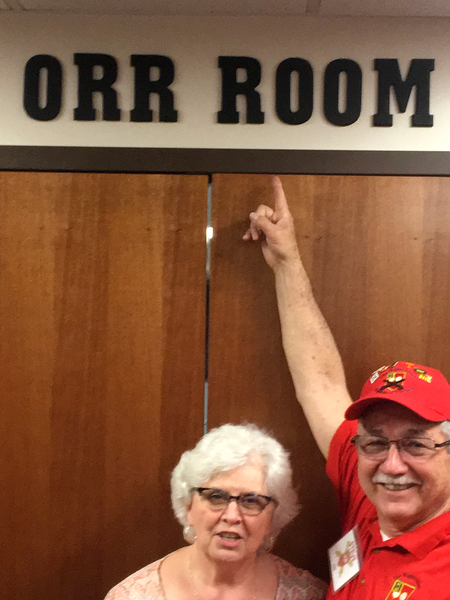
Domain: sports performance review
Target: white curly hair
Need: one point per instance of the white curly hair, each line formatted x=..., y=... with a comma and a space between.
x=225, y=448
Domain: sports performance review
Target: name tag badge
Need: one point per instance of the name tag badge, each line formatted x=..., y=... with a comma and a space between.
x=345, y=559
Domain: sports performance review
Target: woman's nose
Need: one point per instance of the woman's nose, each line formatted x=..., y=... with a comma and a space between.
x=232, y=512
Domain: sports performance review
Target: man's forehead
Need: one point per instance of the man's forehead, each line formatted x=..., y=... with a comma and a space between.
x=381, y=414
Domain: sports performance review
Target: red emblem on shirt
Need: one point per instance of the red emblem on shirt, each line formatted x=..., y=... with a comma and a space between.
x=400, y=590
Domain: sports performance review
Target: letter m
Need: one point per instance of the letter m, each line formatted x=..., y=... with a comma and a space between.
x=389, y=76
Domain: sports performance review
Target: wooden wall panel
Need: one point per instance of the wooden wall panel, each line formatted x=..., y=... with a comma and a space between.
x=102, y=320
x=377, y=250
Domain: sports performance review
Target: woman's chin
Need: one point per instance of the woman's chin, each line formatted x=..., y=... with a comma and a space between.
x=226, y=552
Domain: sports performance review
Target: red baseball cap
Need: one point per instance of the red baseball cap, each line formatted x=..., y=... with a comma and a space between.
x=423, y=390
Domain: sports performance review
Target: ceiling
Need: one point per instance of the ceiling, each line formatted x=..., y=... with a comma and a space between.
x=389, y=8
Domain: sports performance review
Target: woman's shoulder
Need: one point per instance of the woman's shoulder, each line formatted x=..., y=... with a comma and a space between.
x=145, y=584
x=297, y=584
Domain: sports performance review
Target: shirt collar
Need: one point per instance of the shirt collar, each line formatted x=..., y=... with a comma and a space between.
x=418, y=542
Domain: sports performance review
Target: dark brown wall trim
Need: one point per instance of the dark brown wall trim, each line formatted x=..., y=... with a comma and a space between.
x=202, y=160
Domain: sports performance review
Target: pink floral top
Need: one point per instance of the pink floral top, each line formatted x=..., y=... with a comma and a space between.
x=293, y=584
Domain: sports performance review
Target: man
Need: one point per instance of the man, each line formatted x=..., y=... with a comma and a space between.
x=388, y=460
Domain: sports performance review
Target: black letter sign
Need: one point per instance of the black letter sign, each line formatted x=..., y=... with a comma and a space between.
x=283, y=102
x=231, y=88
x=389, y=76
x=144, y=87
x=87, y=85
x=32, y=77
x=331, y=92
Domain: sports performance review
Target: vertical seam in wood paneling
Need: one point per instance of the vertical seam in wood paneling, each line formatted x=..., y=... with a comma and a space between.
x=207, y=290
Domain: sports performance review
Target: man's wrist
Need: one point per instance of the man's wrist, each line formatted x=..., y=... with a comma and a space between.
x=290, y=264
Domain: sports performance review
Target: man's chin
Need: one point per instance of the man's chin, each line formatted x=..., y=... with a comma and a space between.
x=397, y=517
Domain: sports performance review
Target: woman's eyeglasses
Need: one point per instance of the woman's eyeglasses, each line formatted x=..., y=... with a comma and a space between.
x=250, y=504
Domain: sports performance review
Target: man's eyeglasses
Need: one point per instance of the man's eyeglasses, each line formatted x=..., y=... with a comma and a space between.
x=250, y=504
x=377, y=447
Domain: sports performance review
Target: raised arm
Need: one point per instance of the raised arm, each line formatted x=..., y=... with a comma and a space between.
x=311, y=352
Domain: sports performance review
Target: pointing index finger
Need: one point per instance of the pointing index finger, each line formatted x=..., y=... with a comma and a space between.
x=281, y=205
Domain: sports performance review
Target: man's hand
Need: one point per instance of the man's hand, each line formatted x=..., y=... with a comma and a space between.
x=275, y=228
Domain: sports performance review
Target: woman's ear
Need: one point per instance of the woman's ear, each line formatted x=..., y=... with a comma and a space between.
x=188, y=512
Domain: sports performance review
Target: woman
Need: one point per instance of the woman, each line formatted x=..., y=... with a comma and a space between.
x=232, y=494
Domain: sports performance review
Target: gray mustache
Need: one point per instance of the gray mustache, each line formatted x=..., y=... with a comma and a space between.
x=388, y=479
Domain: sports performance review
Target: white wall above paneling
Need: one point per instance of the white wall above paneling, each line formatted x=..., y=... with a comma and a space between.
x=195, y=47
x=398, y=8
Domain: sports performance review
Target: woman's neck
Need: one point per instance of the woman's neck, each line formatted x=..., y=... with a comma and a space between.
x=205, y=572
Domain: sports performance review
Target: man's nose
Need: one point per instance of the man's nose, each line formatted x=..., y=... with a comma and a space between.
x=394, y=464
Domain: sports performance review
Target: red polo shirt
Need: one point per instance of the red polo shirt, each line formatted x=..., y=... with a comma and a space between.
x=414, y=565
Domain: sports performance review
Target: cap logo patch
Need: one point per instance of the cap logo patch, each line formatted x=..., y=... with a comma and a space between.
x=376, y=373
x=393, y=382
x=374, y=377
x=423, y=375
